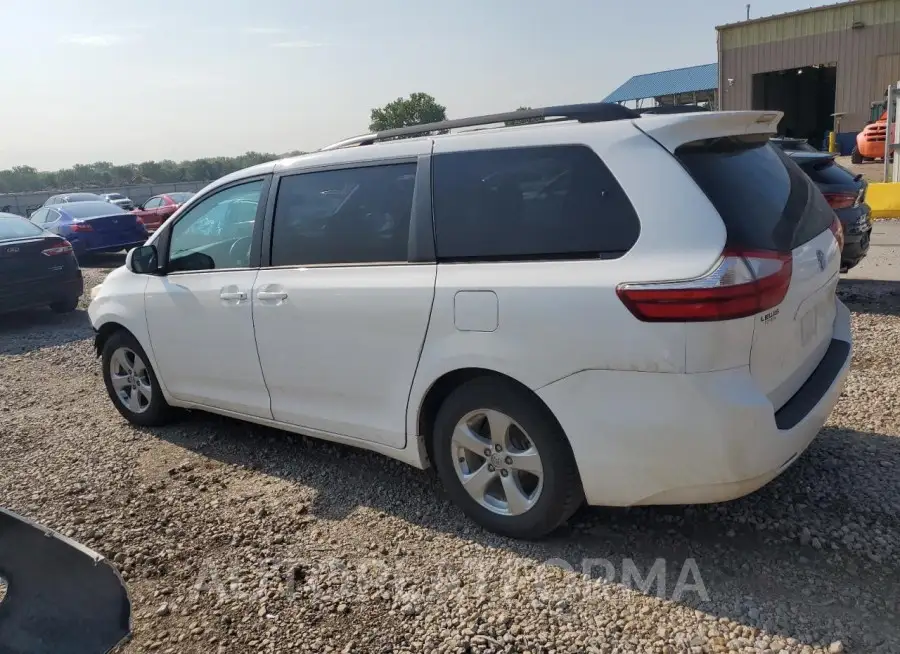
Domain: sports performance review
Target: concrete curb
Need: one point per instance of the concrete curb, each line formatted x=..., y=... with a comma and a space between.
x=883, y=199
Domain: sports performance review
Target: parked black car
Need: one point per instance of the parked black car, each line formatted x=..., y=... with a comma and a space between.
x=846, y=193
x=37, y=268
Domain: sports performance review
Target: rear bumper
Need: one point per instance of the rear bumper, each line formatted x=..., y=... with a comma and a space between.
x=657, y=438
x=857, y=223
x=86, y=247
x=40, y=293
x=855, y=250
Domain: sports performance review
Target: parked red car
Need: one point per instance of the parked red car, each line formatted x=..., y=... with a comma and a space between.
x=155, y=210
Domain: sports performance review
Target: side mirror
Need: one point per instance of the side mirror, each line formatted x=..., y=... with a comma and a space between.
x=143, y=260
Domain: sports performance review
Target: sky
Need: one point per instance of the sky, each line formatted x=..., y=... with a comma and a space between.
x=106, y=80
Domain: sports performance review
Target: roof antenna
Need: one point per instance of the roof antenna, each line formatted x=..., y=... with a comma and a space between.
x=748, y=12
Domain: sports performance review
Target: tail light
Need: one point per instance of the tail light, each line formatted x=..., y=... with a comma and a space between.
x=63, y=248
x=744, y=283
x=841, y=200
x=80, y=227
x=838, y=230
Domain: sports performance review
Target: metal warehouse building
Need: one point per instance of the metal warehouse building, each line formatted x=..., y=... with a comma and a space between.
x=811, y=64
x=692, y=85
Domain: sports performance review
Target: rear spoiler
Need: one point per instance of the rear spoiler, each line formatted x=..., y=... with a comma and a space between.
x=673, y=130
x=61, y=596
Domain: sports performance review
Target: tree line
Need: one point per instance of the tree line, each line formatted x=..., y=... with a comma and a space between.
x=103, y=174
x=417, y=109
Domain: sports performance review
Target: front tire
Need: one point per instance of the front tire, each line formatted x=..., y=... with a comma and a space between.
x=504, y=460
x=855, y=156
x=131, y=382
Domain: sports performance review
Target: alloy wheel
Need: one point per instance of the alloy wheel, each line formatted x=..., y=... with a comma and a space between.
x=130, y=380
x=496, y=462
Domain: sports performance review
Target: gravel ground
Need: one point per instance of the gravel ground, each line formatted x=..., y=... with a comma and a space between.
x=235, y=538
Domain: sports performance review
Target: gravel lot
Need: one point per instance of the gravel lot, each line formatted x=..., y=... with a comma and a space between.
x=234, y=538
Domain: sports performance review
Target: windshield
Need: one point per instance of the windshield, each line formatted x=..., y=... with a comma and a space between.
x=115, y=196
x=92, y=209
x=17, y=227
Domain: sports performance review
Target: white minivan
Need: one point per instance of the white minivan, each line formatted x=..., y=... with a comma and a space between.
x=598, y=306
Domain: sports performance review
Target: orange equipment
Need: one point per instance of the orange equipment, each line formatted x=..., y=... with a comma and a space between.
x=870, y=141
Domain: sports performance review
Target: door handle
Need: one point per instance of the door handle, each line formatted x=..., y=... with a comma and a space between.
x=271, y=295
x=233, y=295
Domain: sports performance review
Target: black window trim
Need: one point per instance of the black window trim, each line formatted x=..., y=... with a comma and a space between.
x=421, y=225
x=163, y=241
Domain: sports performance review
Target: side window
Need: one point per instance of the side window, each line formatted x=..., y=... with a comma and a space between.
x=39, y=216
x=354, y=215
x=153, y=203
x=52, y=216
x=546, y=202
x=217, y=232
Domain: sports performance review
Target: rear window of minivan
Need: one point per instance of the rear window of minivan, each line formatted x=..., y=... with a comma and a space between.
x=530, y=203
x=765, y=200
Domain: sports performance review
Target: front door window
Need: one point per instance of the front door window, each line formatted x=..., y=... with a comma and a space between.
x=217, y=232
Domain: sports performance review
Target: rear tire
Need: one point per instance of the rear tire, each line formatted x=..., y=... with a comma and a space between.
x=131, y=382
x=491, y=431
x=65, y=306
x=855, y=156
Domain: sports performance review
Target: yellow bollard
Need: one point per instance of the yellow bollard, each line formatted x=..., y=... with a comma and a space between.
x=832, y=142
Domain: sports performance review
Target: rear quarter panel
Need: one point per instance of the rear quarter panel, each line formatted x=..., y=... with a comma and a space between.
x=556, y=318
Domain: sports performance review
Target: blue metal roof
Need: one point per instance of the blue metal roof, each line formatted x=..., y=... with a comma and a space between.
x=667, y=82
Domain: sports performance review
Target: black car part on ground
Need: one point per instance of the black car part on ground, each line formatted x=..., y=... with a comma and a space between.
x=61, y=597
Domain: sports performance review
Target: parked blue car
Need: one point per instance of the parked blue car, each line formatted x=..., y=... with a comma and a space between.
x=92, y=227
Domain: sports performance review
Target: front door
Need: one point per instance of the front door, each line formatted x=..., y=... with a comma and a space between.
x=341, y=315
x=199, y=313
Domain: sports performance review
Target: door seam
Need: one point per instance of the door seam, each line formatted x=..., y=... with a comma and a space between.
x=262, y=370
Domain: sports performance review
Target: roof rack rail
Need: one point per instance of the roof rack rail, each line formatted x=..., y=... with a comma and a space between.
x=588, y=112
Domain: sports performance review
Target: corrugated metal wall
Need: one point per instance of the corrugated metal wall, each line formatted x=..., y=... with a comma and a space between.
x=867, y=59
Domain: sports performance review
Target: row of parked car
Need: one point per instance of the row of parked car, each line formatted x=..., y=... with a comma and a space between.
x=39, y=255
x=152, y=213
